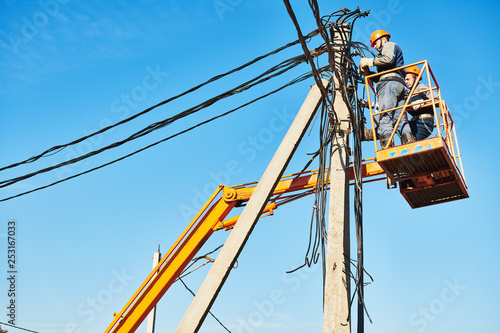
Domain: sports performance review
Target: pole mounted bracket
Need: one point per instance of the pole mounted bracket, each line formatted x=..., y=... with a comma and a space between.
x=342, y=127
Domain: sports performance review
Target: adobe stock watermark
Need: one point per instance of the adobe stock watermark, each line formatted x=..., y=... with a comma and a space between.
x=248, y=150
x=96, y=303
x=423, y=318
x=265, y=309
x=33, y=24
x=122, y=107
x=471, y=103
x=223, y=6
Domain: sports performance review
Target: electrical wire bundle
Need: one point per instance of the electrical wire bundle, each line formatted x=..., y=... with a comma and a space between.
x=267, y=75
x=335, y=30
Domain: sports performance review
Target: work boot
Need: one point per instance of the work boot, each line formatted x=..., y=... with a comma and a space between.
x=366, y=134
x=390, y=184
x=384, y=139
x=407, y=138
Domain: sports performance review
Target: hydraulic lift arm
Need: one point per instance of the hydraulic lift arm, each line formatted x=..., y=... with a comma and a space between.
x=209, y=219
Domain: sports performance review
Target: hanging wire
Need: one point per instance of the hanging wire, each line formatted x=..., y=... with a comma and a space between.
x=210, y=312
x=341, y=50
x=53, y=150
x=295, y=81
x=17, y=327
x=184, y=274
x=267, y=75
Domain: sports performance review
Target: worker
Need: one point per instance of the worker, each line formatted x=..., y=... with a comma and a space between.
x=390, y=88
x=422, y=122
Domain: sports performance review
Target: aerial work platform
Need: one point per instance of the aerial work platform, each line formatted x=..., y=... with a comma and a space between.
x=435, y=178
x=429, y=171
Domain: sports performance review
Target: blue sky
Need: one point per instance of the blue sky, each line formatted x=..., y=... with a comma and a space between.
x=69, y=68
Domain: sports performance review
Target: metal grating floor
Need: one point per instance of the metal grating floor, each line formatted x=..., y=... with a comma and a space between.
x=434, y=176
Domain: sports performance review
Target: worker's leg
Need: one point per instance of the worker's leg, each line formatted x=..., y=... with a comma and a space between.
x=422, y=126
x=388, y=94
x=384, y=103
x=403, y=126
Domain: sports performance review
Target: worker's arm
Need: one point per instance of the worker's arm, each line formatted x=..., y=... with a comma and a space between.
x=386, y=57
x=422, y=91
x=422, y=95
x=434, y=93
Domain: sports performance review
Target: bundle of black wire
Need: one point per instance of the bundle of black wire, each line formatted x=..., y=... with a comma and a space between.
x=263, y=77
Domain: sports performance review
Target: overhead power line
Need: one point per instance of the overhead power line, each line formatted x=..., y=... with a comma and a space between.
x=56, y=149
x=295, y=81
x=265, y=76
x=19, y=328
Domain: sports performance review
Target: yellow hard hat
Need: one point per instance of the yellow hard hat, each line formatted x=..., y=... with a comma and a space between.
x=377, y=34
x=413, y=70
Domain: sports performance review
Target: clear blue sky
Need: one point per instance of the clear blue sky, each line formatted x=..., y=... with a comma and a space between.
x=69, y=68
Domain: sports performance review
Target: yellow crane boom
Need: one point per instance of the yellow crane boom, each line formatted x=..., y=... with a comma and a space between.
x=210, y=218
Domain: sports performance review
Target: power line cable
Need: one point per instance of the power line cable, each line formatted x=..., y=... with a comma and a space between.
x=307, y=53
x=295, y=81
x=267, y=75
x=53, y=150
x=345, y=71
x=192, y=293
x=20, y=328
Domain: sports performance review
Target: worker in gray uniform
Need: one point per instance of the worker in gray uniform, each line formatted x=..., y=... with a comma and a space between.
x=422, y=122
x=390, y=87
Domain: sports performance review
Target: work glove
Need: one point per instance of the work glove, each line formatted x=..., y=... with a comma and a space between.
x=364, y=71
x=417, y=106
x=366, y=63
x=364, y=66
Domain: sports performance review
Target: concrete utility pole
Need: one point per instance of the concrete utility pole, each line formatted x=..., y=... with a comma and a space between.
x=337, y=277
x=150, y=328
x=197, y=311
